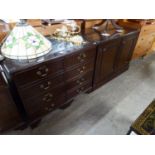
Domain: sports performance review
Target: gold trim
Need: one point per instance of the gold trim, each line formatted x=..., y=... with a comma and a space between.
x=137, y=125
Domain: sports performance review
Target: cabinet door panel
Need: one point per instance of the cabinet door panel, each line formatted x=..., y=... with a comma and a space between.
x=126, y=50
x=106, y=59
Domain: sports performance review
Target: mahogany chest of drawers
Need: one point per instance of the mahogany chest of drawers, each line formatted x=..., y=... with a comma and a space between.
x=52, y=81
x=50, y=84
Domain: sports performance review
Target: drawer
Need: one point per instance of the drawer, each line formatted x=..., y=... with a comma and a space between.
x=51, y=99
x=75, y=91
x=40, y=87
x=42, y=108
x=39, y=72
x=79, y=71
x=80, y=80
x=79, y=57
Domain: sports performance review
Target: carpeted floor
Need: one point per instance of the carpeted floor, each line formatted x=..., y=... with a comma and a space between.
x=109, y=110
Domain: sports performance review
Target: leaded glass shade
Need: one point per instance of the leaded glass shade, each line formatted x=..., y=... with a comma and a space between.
x=24, y=42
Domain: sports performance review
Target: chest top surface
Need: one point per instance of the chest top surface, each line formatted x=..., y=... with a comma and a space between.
x=62, y=48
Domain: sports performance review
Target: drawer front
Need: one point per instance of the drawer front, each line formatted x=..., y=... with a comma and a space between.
x=44, y=108
x=80, y=57
x=41, y=87
x=79, y=81
x=45, y=102
x=37, y=73
x=83, y=88
x=80, y=70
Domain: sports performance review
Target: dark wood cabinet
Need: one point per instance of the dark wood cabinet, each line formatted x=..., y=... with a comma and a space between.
x=46, y=84
x=9, y=115
x=42, y=87
x=106, y=60
x=113, y=58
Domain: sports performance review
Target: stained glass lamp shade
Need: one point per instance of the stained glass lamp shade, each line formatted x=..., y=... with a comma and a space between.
x=24, y=42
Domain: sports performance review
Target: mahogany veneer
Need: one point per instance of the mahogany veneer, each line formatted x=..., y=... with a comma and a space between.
x=52, y=81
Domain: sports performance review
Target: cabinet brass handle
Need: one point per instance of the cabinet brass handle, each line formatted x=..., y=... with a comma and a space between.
x=124, y=42
x=104, y=49
x=45, y=87
x=80, y=90
x=81, y=56
x=42, y=71
x=48, y=97
x=48, y=109
x=82, y=69
x=52, y=105
x=80, y=81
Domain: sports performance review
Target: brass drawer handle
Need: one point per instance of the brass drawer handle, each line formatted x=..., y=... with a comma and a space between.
x=52, y=105
x=124, y=42
x=80, y=81
x=42, y=71
x=80, y=59
x=48, y=97
x=82, y=69
x=45, y=87
x=104, y=49
x=80, y=90
x=81, y=56
x=48, y=109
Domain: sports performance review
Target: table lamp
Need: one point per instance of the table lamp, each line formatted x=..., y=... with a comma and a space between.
x=24, y=42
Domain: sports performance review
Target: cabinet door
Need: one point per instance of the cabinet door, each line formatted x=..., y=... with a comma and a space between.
x=106, y=58
x=126, y=50
x=9, y=116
